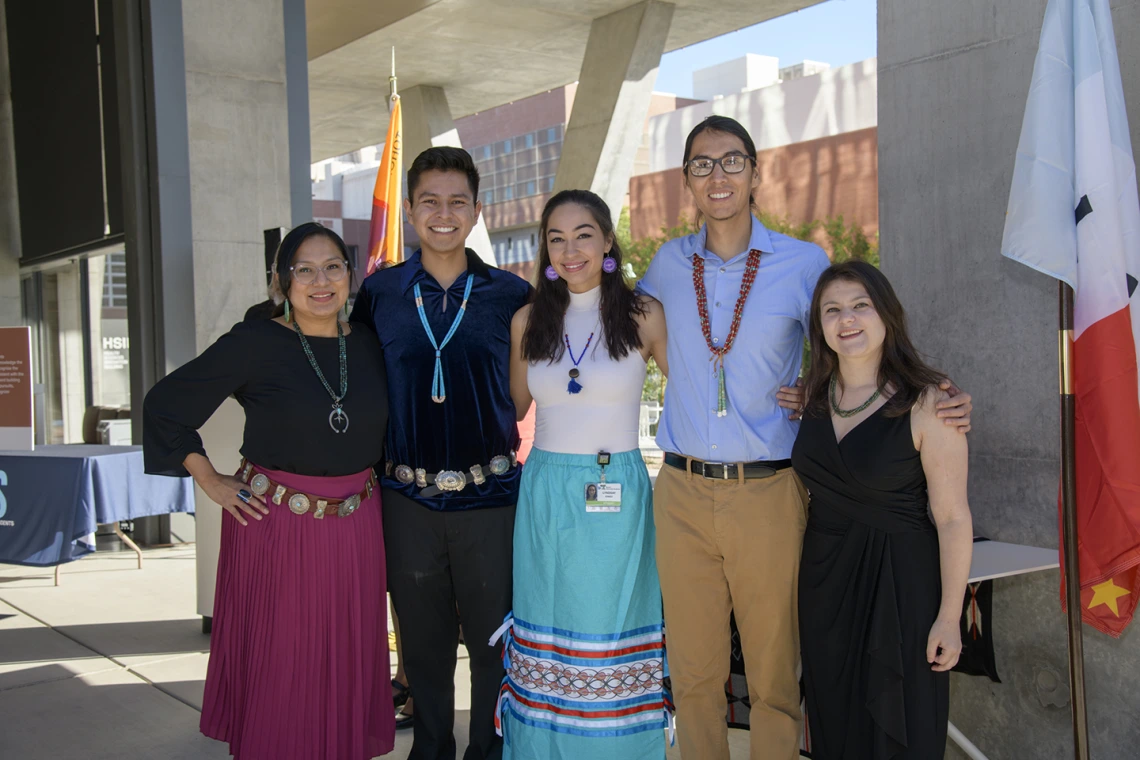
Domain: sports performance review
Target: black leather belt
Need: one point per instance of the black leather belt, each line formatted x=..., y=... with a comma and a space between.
x=725, y=471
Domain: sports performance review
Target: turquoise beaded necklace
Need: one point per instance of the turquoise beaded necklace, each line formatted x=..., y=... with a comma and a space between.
x=338, y=419
x=438, y=392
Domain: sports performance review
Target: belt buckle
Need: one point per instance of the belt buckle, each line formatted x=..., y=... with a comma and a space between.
x=450, y=480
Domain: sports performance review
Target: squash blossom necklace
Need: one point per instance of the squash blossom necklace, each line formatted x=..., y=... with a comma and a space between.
x=718, y=352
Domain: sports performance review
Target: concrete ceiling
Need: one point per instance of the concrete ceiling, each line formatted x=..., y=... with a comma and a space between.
x=484, y=53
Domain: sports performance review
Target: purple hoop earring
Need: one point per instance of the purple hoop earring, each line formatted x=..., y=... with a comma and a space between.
x=609, y=265
x=551, y=273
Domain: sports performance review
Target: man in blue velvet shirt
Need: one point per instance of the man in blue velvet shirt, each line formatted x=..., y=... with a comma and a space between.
x=451, y=481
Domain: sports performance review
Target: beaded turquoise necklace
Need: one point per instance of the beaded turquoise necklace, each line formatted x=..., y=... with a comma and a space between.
x=438, y=392
x=338, y=419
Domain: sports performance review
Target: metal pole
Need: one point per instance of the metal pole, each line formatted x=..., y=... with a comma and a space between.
x=1069, y=526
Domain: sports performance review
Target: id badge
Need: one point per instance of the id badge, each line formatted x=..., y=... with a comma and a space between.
x=603, y=497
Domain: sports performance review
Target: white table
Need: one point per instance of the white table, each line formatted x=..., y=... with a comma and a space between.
x=997, y=559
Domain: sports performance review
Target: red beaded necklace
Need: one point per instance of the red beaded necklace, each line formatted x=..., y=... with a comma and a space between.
x=718, y=352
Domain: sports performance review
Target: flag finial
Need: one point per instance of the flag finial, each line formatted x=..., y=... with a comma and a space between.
x=392, y=78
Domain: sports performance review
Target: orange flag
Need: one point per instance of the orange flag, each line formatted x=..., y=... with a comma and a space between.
x=386, y=237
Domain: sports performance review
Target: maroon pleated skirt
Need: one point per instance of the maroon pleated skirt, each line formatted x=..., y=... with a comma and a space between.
x=299, y=666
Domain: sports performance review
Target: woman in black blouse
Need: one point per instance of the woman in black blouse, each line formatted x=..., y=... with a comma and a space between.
x=299, y=664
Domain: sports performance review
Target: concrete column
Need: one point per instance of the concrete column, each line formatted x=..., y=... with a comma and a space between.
x=71, y=389
x=10, y=312
x=245, y=112
x=428, y=124
x=612, y=101
x=238, y=106
x=297, y=93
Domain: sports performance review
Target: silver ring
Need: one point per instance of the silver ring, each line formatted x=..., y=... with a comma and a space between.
x=244, y=495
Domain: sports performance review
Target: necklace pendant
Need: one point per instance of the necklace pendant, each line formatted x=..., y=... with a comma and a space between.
x=439, y=399
x=338, y=419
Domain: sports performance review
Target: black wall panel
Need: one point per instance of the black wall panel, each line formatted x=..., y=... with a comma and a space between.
x=53, y=61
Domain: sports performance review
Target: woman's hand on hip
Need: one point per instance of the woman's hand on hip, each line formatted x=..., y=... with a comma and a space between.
x=944, y=645
x=235, y=497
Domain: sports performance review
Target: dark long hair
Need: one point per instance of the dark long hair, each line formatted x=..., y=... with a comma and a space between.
x=283, y=275
x=728, y=126
x=902, y=367
x=620, y=307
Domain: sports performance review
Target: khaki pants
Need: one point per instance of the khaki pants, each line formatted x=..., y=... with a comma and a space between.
x=725, y=546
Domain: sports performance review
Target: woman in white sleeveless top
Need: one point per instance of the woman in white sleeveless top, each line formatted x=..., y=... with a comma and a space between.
x=585, y=653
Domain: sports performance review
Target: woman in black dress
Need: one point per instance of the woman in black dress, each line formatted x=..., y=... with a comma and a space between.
x=889, y=537
x=299, y=653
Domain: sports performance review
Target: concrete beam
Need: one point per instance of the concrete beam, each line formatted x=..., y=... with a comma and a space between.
x=612, y=102
x=428, y=124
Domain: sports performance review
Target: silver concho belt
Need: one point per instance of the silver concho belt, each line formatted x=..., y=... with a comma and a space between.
x=449, y=480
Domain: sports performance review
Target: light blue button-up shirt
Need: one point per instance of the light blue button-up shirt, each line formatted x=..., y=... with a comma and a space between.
x=766, y=354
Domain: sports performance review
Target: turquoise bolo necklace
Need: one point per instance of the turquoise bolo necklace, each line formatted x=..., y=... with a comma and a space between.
x=438, y=393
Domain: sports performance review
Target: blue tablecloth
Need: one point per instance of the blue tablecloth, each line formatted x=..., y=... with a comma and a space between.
x=52, y=498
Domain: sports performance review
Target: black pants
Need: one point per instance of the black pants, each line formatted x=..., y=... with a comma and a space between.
x=436, y=562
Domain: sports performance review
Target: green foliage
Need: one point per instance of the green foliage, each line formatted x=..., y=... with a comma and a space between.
x=638, y=253
x=654, y=389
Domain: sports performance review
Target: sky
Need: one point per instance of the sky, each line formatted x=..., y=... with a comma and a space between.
x=836, y=32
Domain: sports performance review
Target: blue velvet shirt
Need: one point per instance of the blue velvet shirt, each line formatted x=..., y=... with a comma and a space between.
x=477, y=420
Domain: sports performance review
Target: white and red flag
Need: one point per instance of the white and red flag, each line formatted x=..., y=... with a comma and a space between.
x=1074, y=215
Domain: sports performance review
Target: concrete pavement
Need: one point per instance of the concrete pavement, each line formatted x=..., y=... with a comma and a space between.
x=111, y=663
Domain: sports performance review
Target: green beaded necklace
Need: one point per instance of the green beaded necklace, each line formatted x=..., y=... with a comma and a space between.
x=849, y=412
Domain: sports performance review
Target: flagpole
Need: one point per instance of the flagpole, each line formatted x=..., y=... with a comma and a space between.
x=392, y=81
x=1069, y=519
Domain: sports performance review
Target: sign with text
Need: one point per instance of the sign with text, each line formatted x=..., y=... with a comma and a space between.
x=16, y=389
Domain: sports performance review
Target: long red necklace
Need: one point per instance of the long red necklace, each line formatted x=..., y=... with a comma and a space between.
x=718, y=352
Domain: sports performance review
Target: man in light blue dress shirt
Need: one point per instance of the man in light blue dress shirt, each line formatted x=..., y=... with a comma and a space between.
x=729, y=511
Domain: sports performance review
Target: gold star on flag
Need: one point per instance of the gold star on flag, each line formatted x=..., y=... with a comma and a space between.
x=1107, y=593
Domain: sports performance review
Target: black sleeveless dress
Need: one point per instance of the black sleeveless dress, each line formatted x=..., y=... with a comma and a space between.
x=870, y=588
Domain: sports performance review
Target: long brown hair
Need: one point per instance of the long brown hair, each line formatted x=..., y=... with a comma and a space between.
x=901, y=367
x=620, y=306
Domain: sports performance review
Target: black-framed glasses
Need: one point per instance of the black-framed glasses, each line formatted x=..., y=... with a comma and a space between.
x=733, y=163
x=306, y=274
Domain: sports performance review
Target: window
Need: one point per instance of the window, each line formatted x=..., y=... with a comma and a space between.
x=530, y=189
x=530, y=140
x=509, y=244
x=552, y=134
x=486, y=151
x=488, y=196
x=115, y=281
x=508, y=193
x=506, y=146
x=532, y=240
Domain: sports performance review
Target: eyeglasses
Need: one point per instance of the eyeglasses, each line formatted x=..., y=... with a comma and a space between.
x=733, y=163
x=306, y=274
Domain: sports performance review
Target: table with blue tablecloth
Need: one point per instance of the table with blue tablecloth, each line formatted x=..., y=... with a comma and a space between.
x=53, y=499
